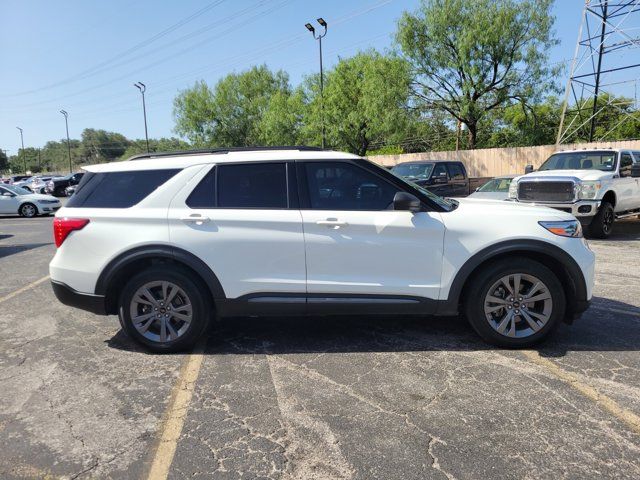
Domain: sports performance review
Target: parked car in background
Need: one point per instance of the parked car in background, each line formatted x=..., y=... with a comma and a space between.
x=306, y=231
x=23, y=183
x=18, y=178
x=444, y=178
x=70, y=190
x=495, y=189
x=37, y=184
x=57, y=186
x=17, y=200
x=596, y=186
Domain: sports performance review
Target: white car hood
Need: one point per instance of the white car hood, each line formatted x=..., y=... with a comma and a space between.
x=502, y=208
x=585, y=175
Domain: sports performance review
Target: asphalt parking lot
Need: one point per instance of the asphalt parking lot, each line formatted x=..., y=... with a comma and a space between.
x=315, y=398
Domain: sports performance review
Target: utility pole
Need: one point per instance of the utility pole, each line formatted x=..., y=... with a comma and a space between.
x=23, y=157
x=66, y=122
x=319, y=37
x=142, y=87
x=598, y=71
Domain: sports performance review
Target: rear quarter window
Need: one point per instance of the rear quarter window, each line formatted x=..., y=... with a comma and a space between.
x=118, y=189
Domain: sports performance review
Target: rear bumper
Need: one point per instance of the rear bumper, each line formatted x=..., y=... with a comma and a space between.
x=83, y=301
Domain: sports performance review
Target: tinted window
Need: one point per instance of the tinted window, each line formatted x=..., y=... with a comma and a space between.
x=439, y=170
x=204, y=195
x=625, y=165
x=252, y=185
x=344, y=186
x=413, y=171
x=118, y=189
x=455, y=171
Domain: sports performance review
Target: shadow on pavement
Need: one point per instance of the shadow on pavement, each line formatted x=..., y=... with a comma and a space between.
x=598, y=330
x=7, y=250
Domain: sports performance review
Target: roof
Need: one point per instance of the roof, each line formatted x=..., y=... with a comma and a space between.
x=418, y=162
x=602, y=149
x=198, y=157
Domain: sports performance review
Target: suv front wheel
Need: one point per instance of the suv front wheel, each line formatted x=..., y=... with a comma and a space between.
x=164, y=309
x=515, y=302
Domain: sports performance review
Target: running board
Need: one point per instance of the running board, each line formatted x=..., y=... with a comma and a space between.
x=632, y=213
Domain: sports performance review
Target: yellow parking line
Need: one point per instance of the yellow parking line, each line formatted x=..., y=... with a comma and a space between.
x=175, y=415
x=626, y=416
x=23, y=289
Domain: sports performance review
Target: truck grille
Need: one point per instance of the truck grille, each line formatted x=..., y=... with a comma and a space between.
x=546, y=191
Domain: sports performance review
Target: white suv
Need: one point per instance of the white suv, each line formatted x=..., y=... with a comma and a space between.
x=167, y=240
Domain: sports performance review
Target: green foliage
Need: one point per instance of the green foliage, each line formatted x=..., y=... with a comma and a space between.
x=155, y=145
x=473, y=56
x=4, y=161
x=232, y=113
x=100, y=146
x=365, y=100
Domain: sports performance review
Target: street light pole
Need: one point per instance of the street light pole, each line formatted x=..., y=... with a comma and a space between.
x=66, y=122
x=142, y=87
x=23, y=158
x=319, y=37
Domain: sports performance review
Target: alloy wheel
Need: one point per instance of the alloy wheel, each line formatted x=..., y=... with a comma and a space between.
x=28, y=210
x=161, y=311
x=518, y=305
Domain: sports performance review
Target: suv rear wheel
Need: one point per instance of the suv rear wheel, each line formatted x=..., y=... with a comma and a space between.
x=515, y=302
x=164, y=309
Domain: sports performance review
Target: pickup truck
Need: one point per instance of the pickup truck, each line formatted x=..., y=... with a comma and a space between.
x=596, y=186
x=57, y=186
x=446, y=178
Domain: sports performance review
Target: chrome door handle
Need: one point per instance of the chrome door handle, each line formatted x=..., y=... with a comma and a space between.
x=334, y=223
x=197, y=219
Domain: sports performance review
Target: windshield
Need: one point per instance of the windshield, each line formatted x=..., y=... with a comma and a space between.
x=496, y=185
x=16, y=190
x=604, y=161
x=413, y=171
x=443, y=202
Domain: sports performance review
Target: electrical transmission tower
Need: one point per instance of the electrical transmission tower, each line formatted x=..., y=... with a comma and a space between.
x=605, y=71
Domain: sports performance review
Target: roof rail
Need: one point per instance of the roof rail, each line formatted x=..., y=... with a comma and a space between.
x=221, y=150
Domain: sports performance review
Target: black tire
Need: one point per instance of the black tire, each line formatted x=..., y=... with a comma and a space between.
x=28, y=210
x=485, y=279
x=196, y=294
x=602, y=224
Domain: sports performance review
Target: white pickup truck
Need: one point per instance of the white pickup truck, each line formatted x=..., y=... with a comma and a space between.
x=596, y=186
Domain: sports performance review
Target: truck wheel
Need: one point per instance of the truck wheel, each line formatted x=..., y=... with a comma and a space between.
x=515, y=302
x=164, y=309
x=602, y=224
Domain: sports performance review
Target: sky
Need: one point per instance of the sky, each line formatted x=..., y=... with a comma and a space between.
x=84, y=56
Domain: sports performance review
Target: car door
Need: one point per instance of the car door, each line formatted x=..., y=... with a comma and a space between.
x=8, y=201
x=457, y=180
x=356, y=244
x=439, y=182
x=240, y=221
x=626, y=186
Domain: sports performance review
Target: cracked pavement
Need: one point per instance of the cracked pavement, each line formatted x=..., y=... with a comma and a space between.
x=315, y=398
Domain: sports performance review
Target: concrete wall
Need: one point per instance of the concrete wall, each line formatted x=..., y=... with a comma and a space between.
x=491, y=162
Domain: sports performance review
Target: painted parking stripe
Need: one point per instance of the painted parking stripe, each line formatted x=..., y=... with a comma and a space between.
x=23, y=289
x=629, y=418
x=175, y=415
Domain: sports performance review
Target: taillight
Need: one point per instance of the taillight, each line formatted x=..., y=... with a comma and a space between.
x=63, y=226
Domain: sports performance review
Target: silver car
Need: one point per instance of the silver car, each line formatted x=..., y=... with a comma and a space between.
x=495, y=189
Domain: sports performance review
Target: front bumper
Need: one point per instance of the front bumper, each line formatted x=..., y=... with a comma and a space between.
x=83, y=301
x=580, y=209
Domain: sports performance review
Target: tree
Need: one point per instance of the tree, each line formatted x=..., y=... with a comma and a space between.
x=231, y=114
x=4, y=161
x=155, y=145
x=365, y=100
x=101, y=146
x=473, y=56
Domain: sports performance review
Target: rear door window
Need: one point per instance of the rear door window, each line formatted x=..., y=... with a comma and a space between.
x=118, y=189
x=252, y=185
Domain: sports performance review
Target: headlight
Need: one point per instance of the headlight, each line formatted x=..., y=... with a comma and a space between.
x=588, y=190
x=513, y=189
x=564, y=228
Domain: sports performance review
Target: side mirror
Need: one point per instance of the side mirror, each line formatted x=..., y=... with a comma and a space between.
x=406, y=201
x=635, y=170
x=528, y=169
